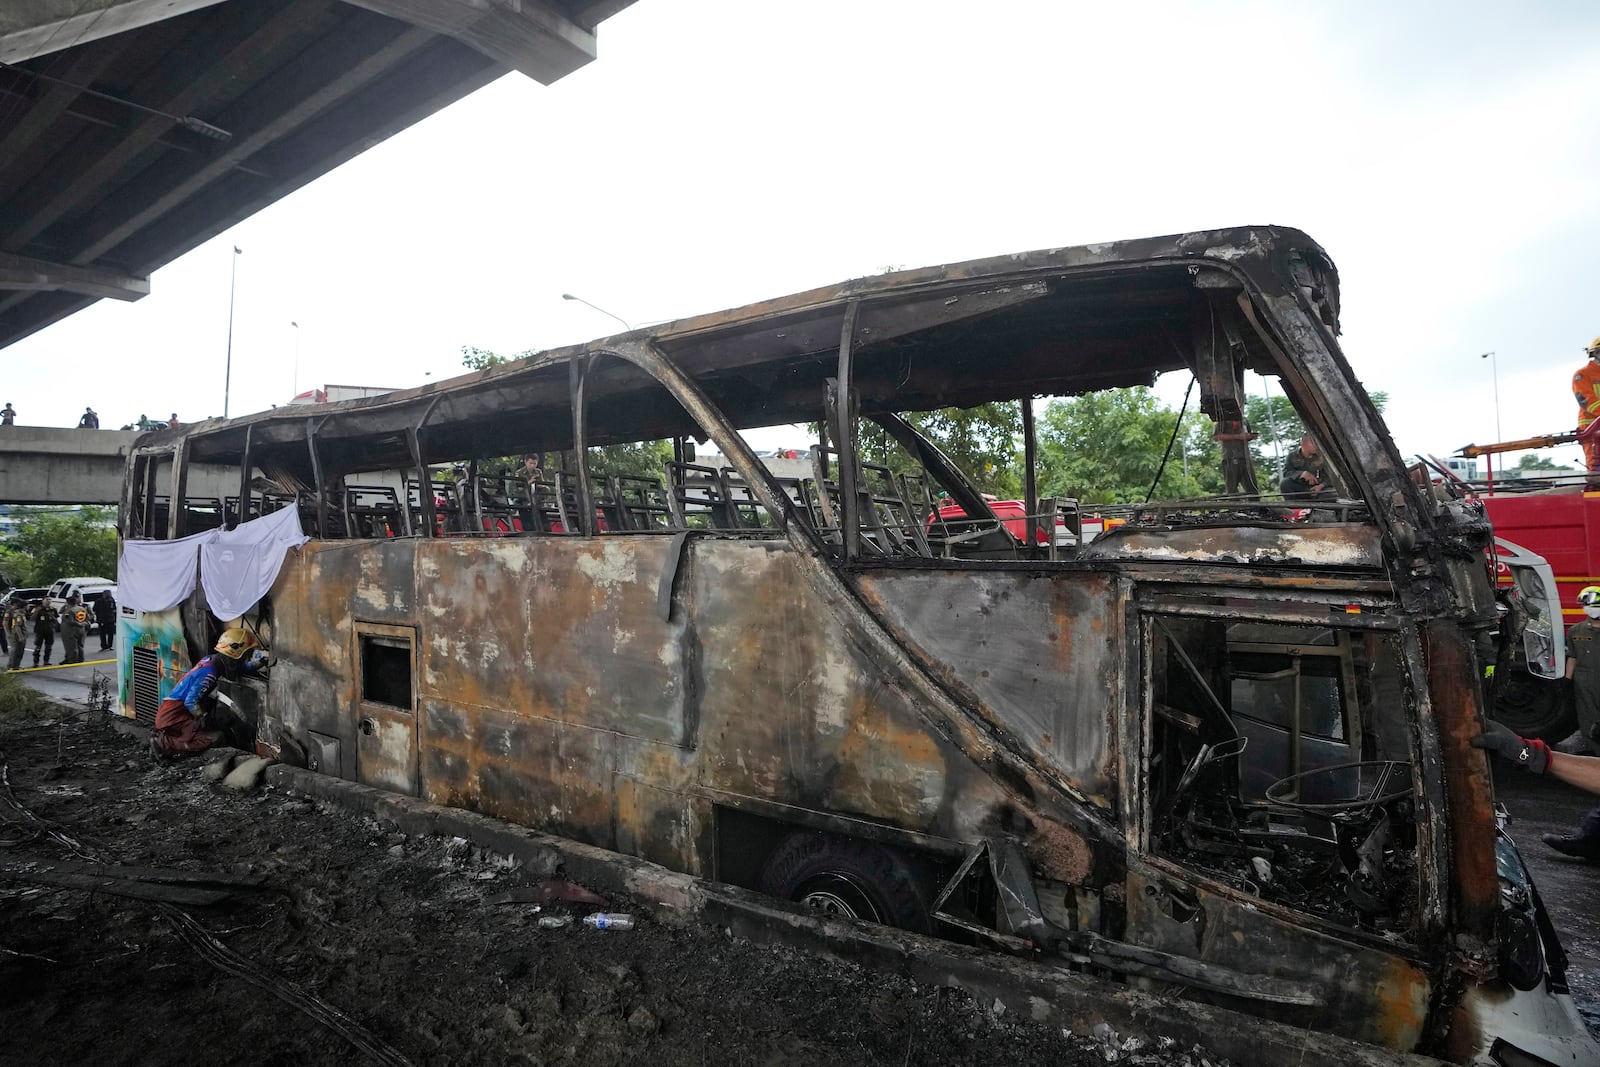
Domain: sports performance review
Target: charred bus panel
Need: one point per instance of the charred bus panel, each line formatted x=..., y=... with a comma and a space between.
x=1224, y=746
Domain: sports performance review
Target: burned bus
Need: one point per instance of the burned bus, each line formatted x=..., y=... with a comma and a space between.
x=1218, y=744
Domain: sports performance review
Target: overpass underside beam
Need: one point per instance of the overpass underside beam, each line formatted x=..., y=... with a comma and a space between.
x=138, y=129
x=37, y=275
x=526, y=35
x=31, y=28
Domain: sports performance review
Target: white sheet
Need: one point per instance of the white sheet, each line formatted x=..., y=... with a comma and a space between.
x=238, y=566
x=157, y=575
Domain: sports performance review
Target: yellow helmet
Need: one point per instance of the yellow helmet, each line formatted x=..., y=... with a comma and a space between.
x=1594, y=346
x=1589, y=596
x=236, y=641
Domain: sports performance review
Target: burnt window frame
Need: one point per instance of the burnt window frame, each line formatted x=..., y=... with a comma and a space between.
x=386, y=636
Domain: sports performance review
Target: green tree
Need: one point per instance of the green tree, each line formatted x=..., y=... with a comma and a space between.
x=47, y=544
x=1107, y=447
x=475, y=358
x=1535, y=462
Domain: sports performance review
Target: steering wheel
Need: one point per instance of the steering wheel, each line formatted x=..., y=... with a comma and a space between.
x=1279, y=792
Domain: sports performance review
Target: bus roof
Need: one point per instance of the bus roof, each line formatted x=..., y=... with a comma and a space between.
x=1057, y=321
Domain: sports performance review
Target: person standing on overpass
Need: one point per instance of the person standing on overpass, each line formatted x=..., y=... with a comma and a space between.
x=8, y=415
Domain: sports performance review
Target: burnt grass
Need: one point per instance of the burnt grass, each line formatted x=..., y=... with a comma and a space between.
x=400, y=935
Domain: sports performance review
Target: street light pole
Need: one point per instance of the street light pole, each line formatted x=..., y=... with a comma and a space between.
x=227, y=374
x=1494, y=364
x=603, y=311
x=295, y=388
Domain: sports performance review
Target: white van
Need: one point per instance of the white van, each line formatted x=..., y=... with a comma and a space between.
x=86, y=588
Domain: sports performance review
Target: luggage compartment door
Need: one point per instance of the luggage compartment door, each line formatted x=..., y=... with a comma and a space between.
x=386, y=701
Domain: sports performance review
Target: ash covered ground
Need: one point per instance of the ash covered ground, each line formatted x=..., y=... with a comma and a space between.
x=398, y=942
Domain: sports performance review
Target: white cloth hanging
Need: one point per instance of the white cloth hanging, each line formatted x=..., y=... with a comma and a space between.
x=239, y=565
x=157, y=575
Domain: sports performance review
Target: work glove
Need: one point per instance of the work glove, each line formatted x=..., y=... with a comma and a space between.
x=1529, y=754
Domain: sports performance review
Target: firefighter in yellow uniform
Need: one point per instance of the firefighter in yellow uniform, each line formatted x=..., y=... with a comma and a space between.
x=1586, y=390
x=74, y=625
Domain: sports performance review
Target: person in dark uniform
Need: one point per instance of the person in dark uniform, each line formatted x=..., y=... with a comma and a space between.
x=105, y=616
x=8, y=415
x=1303, y=477
x=43, y=617
x=89, y=421
x=74, y=626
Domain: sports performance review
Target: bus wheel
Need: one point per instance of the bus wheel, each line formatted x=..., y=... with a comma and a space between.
x=844, y=877
x=1533, y=707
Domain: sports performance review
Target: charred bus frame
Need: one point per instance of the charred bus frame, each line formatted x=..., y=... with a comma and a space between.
x=1223, y=746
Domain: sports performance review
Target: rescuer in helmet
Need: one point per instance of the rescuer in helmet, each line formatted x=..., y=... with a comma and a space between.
x=1583, y=671
x=1586, y=390
x=190, y=719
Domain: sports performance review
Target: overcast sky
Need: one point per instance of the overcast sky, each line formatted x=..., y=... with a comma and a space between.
x=722, y=151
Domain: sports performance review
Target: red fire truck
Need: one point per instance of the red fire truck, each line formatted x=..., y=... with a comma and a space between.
x=1547, y=539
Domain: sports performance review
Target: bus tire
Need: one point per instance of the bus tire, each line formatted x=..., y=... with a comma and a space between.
x=848, y=878
x=1533, y=706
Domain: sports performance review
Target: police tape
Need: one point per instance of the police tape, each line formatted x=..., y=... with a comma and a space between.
x=62, y=666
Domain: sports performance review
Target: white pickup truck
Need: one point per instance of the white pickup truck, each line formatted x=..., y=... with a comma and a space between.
x=87, y=589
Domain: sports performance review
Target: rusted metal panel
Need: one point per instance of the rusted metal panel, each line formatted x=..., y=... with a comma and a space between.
x=1456, y=699
x=555, y=628
x=1344, y=545
x=1038, y=656
x=448, y=764
x=1365, y=993
x=586, y=759
x=386, y=748
x=656, y=824
x=795, y=711
x=313, y=684
x=385, y=584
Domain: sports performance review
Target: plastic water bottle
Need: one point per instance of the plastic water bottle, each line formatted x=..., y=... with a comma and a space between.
x=554, y=922
x=609, y=920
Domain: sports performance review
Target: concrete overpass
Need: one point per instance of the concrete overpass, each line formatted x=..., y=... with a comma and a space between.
x=49, y=465
x=133, y=130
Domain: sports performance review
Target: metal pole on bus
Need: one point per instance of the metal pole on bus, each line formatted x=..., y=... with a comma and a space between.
x=227, y=374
